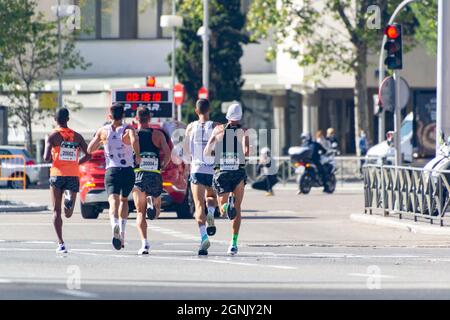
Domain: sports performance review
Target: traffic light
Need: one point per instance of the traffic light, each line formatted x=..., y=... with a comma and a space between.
x=150, y=81
x=394, y=47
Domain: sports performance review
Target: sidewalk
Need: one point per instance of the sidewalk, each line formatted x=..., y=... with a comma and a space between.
x=421, y=227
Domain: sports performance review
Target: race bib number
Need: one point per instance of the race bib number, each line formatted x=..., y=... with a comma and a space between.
x=149, y=161
x=229, y=162
x=68, y=151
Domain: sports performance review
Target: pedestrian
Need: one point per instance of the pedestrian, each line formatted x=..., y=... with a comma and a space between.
x=363, y=148
x=148, y=185
x=62, y=148
x=266, y=179
x=201, y=172
x=332, y=140
x=230, y=145
x=320, y=138
x=119, y=141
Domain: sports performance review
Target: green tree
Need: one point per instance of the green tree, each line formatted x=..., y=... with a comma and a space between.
x=426, y=13
x=328, y=36
x=28, y=46
x=227, y=36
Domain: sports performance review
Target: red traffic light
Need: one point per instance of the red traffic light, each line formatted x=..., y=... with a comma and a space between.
x=392, y=32
x=151, y=81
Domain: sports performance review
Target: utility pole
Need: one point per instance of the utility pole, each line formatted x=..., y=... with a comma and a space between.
x=174, y=47
x=443, y=74
x=397, y=120
x=206, y=44
x=60, y=89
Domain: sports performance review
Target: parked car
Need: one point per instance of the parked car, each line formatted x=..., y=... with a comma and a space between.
x=10, y=168
x=176, y=195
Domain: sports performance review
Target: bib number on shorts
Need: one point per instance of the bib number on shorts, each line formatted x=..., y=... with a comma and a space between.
x=68, y=151
x=229, y=162
x=149, y=162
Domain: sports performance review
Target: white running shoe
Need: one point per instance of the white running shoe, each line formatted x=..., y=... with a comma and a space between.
x=117, y=241
x=232, y=250
x=211, y=229
x=144, y=250
x=61, y=248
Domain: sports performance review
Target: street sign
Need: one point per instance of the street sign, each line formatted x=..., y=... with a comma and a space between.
x=179, y=94
x=48, y=101
x=203, y=93
x=157, y=100
x=387, y=94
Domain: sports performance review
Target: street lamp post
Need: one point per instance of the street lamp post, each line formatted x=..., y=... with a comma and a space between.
x=173, y=21
x=60, y=90
x=205, y=44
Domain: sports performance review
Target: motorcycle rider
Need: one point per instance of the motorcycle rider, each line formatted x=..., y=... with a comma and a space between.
x=317, y=151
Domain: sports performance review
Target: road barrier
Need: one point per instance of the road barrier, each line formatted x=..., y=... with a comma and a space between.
x=348, y=168
x=13, y=168
x=416, y=192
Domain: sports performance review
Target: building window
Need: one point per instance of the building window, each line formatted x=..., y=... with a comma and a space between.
x=110, y=22
x=123, y=19
x=147, y=19
x=166, y=9
x=88, y=18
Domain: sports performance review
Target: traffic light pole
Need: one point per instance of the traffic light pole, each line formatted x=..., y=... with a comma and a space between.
x=443, y=76
x=397, y=121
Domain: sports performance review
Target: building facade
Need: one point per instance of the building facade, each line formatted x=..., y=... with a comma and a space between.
x=124, y=43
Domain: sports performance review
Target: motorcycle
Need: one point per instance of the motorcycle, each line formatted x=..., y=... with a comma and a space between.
x=308, y=175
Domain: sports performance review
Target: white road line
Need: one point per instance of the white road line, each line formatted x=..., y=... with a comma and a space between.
x=78, y=294
x=5, y=281
x=101, y=243
x=369, y=275
x=39, y=242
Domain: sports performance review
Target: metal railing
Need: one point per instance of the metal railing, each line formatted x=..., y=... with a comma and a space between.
x=416, y=192
x=348, y=168
x=13, y=168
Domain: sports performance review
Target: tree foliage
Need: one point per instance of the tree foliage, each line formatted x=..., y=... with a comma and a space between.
x=28, y=44
x=426, y=13
x=327, y=36
x=227, y=37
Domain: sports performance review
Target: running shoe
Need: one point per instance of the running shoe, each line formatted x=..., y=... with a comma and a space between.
x=117, y=241
x=204, y=246
x=68, y=202
x=211, y=228
x=231, y=210
x=232, y=250
x=61, y=248
x=144, y=250
x=151, y=211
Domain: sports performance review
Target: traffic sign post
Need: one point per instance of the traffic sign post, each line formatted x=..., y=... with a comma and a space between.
x=179, y=94
x=203, y=93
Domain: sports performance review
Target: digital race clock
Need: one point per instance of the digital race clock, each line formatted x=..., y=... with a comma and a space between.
x=157, y=100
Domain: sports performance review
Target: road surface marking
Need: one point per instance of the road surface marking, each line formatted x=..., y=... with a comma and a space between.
x=78, y=294
x=370, y=275
x=5, y=281
x=39, y=242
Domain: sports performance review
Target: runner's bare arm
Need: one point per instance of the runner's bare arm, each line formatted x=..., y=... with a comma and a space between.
x=49, y=141
x=135, y=143
x=186, y=146
x=95, y=143
x=83, y=146
x=209, y=148
x=162, y=145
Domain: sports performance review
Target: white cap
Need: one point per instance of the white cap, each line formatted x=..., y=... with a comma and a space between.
x=234, y=112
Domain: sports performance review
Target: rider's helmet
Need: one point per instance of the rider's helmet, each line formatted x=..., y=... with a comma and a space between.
x=305, y=138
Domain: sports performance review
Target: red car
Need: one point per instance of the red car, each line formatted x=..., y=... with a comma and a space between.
x=176, y=192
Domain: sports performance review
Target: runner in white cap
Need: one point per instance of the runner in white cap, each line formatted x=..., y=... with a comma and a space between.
x=230, y=146
x=201, y=172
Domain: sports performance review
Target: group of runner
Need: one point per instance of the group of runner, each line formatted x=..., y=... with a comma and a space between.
x=215, y=154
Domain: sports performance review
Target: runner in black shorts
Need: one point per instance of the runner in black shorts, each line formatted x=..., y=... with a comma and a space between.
x=119, y=141
x=148, y=185
x=230, y=145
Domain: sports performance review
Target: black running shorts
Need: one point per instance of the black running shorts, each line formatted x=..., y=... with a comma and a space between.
x=119, y=181
x=227, y=181
x=149, y=182
x=65, y=183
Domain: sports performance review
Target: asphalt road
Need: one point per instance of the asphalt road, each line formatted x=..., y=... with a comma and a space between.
x=291, y=247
